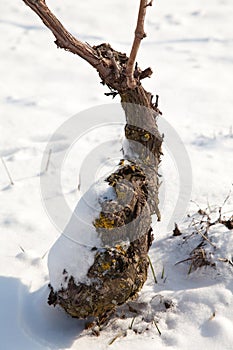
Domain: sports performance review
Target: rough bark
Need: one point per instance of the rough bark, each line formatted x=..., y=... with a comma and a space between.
x=119, y=271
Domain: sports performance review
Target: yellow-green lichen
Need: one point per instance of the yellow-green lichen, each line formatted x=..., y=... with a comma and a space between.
x=104, y=222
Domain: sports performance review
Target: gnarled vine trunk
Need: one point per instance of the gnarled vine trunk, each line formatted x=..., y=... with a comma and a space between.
x=119, y=270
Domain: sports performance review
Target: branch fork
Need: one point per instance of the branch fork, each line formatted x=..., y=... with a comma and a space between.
x=67, y=41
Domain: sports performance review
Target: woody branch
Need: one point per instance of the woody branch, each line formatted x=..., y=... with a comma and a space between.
x=139, y=35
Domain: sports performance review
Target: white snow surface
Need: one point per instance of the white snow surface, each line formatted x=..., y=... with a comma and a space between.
x=72, y=252
x=189, y=46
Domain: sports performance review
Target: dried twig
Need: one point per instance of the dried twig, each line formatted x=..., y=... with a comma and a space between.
x=21, y=248
x=152, y=269
x=190, y=268
x=155, y=323
x=139, y=35
x=194, y=202
x=184, y=260
x=7, y=171
x=226, y=199
x=197, y=258
x=162, y=274
x=203, y=236
x=121, y=334
x=48, y=161
x=132, y=322
x=226, y=260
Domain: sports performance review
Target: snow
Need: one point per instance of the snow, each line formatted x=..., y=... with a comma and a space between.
x=189, y=46
x=74, y=247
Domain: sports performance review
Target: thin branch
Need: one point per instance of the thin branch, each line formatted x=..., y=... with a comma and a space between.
x=157, y=327
x=7, y=171
x=132, y=322
x=184, y=260
x=120, y=334
x=152, y=269
x=66, y=40
x=48, y=161
x=203, y=236
x=226, y=260
x=139, y=35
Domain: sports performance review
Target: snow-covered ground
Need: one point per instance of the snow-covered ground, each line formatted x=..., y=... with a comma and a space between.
x=190, y=48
